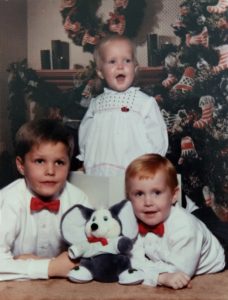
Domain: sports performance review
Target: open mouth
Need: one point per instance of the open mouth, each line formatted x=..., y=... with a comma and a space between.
x=120, y=78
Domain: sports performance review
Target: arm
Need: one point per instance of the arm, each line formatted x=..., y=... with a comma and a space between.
x=84, y=129
x=156, y=130
x=185, y=249
x=86, y=249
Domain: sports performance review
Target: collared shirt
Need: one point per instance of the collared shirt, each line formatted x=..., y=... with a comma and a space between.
x=187, y=245
x=23, y=232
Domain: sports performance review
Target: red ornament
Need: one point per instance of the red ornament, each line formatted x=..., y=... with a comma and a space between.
x=124, y=109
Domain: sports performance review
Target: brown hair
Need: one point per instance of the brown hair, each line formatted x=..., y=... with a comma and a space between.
x=34, y=132
x=110, y=38
x=147, y=165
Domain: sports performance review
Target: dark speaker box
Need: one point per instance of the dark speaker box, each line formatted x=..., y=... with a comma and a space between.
x=60, y=54
x=45, y=59
x=152, y=47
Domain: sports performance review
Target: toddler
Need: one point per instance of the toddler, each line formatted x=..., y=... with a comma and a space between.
x=31, y=207
x=173, y=245
x=123, y=122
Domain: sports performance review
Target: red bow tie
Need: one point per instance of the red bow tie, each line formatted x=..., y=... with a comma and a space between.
x=93, y=239
x=37, y=205
x=144, y=229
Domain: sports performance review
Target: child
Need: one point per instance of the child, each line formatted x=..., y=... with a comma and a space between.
x=173, y=245
x=31, y=207
x=121, y=123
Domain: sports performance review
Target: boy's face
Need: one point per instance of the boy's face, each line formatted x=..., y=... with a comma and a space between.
x=151, y=198
x=45, y=168
x=117, y=66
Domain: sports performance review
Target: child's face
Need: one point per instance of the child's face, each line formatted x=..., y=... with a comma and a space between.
x=117, y=66
x=45, y=168
x=151, y=198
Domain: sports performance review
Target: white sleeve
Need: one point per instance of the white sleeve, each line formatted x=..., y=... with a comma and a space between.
x=156, y=129
x=10, y=268
x=84, y=129
x=186, y=245
x=140, y=262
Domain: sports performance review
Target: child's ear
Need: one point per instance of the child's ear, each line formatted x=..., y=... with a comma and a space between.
x=175, y=195
x=99, y=74
x=20, y=165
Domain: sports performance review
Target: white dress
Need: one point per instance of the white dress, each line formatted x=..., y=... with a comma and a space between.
x=117, y=128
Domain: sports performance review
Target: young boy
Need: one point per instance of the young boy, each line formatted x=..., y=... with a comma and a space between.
x=31, y=207
x=173, y=245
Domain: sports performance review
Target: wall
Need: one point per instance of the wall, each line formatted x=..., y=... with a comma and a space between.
x=45, y=24
x=13, y=47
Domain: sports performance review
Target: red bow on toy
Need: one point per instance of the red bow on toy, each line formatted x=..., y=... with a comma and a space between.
x=144, y=229
x=93, y=239
x=37, y=204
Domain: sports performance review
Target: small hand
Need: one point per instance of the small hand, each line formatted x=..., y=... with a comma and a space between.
x=177, y=280
x=27, y=256
x=61, y=265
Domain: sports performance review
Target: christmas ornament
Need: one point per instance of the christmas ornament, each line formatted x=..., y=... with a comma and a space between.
x=208, y=196
x=175, y=122
x=223, y=59
x=187, y=149
x=219, y=8
x=169, y=81
x=186, y=83
x=207, y=105
x=86, y=28
x=199, y=39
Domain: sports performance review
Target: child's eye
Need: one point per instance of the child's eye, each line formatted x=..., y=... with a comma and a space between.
x=139, y=194
x=60, y=163
x=156, y=193
x=128, y=60
x=112, y=61
x=39, y=161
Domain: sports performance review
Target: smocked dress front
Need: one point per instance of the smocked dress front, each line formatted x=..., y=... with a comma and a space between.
x=117, y=128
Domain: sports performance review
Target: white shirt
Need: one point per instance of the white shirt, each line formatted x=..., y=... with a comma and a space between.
x=23, y=232
x=187, y=245
x=117, y=128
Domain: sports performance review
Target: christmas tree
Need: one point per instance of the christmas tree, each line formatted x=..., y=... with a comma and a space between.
x=194, y=101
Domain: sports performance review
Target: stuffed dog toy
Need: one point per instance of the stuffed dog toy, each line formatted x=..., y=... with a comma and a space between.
x=103, y=239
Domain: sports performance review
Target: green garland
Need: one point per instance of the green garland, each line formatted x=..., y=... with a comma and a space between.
x=85, y=28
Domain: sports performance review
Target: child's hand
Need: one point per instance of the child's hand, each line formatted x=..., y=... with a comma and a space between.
x=27, y=256
x=177, y=280
x=61, y=265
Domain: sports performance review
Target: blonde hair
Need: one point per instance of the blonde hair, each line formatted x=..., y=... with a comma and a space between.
x=147, y=165
x=109, y=38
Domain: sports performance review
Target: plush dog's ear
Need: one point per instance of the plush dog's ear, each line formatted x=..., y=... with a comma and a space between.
x=124, y=212
x=73, y=224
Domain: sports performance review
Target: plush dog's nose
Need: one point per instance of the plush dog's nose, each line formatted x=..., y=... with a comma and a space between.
x=94, y=226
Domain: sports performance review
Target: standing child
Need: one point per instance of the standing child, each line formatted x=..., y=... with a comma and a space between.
x=173, y=245
x=123, y=122
x=31, y=207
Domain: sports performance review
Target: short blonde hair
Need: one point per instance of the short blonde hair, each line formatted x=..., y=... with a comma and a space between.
x=147, y=165
x=110, y=38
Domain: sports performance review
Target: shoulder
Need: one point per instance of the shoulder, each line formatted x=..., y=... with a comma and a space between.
x=14, y=187
x=182, y=220
x=15, y=194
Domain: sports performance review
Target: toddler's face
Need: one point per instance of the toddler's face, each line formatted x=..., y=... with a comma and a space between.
x=151, y=198
x=45, y=168
x=117, y=66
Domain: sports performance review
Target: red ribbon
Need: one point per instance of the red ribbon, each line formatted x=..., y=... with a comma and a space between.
x=93, y=239
x=37, y=204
